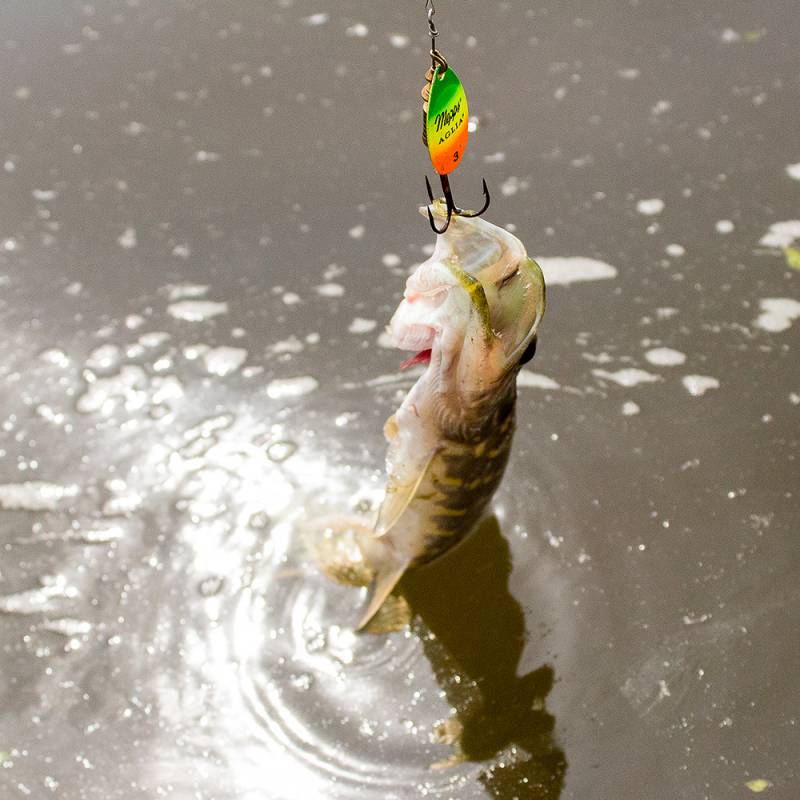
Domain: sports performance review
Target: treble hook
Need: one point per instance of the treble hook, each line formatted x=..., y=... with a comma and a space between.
x=452, y=208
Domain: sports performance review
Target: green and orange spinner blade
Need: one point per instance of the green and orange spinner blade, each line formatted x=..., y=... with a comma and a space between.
x=447, y=122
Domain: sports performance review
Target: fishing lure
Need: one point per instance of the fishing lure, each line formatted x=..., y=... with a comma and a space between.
x=445, y=127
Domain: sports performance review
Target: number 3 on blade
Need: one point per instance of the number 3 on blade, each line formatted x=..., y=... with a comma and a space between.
x=446, y=124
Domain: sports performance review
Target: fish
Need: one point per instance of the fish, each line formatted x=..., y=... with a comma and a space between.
x=470, y=314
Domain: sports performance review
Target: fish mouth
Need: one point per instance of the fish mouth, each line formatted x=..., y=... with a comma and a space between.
x=422, y=357
x=471, y=310
x=422, y=316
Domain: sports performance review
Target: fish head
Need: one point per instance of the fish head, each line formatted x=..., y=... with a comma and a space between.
x=471, y=311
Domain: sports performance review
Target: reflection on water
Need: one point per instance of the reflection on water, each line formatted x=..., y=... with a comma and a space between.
x=473, y=632
x=155, y=593
x=183, y=579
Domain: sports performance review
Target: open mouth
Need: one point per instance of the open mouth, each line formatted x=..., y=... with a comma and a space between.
x=423, y=357
x=416, y=335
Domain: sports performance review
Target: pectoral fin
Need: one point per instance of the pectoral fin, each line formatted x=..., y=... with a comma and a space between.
x=386, y=579
x=398, y=496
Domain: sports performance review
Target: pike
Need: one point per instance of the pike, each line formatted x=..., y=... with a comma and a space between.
x=471, y=313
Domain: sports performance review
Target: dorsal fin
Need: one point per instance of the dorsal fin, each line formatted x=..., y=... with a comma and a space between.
x=397, y=498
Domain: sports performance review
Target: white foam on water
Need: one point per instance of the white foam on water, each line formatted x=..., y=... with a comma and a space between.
x=534, y=380
x=361, y=325
x=286, y=388
x=698, y=385
x=103, y=394
x=224, y=360
x=50, y=414
x=316, y=19
x=67, y=626
x=290, y=345
x=130, y=389
x=127, y=239
x=196, y=310
x=781, y=234
x=40, y=600
x=724, y=226
x=181, y=291
x=104, y=357
x=630, y=376
x=661, y=107
x=390, y=260
x=193, y=351
x=564, y=270
x=357, y=231
x=675, y=250
x=134, y=128
x=665, y=357
x=793, y=171
x=133, y=321
x=399, y=40
x=777, y=314
x=512, y=185
x=123, y=500
x=55, y=356
x=330, y=290
x=97, y=534
x=630, y=409
x=650, y=206
x=153, y=338
x=359, y=30
x=291, y=298
x=36, y=495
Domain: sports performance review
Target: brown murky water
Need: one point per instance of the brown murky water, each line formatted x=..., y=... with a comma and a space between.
x=207, y=217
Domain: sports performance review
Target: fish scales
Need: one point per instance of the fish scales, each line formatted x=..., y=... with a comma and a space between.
x=462, y=481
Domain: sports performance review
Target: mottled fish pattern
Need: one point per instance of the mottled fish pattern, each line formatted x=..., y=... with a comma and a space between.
x=461, y=480
x=471, y=311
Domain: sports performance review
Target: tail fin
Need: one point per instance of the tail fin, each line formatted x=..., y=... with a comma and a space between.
x=386, y=579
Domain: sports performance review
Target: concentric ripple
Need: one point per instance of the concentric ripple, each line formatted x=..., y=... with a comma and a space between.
x=311, y=709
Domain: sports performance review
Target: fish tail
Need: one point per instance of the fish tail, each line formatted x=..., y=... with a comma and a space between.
x=386, y=578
